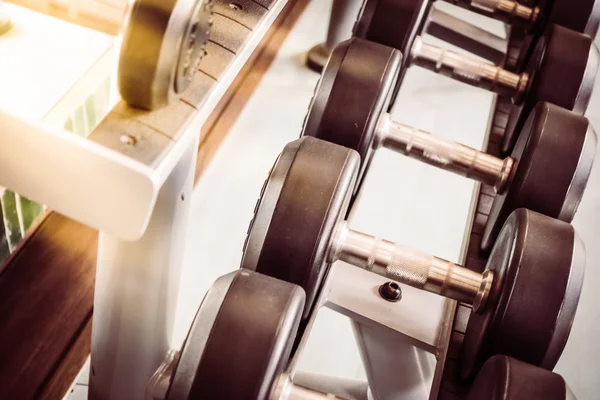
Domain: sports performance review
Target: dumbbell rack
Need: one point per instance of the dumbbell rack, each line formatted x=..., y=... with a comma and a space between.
x=153, y=154
x=448, y=384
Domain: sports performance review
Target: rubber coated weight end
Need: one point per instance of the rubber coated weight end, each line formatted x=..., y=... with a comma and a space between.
x=538, y=264
x=240, y=340
x=504, y=378
x=394, y=23
x=304, y=200
x=581, y=16
x=354, y=91
x=562, y=71
x=553, y=160
x=162, y=44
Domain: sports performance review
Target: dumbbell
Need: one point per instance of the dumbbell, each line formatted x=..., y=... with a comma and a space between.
x=581, y=16
x=504, y=378
x=561, y=55
x=410, y=18
x=524, y=303
x=162, y=44
x=240, y=341
x=547, y=171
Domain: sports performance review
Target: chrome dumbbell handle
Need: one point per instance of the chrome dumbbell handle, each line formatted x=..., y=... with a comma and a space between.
x=468, y=70
x=505, y=10
x=470, y=37
x=445, y=154
x=411, y=267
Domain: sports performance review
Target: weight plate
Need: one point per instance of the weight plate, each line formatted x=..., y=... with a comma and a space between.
x=562, y=71
x=553, y=159
x=162, y=44
x=306, y=197
x=581, y=16
x=240, y=340
x=354, y=91
x=538, y=264
x=504, y=378
x=393, y=23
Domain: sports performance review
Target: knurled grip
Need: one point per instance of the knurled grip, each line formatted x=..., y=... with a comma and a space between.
x=410, y=266
x=467, y=69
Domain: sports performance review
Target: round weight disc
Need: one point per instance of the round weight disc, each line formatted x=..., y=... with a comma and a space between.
x=553, y=160
x=353, y=93
x=394, y=23
x=581, y=16
x=504, y=378
x=538, y=264
x=562, y=71
x=304, y=200
x=240, y=340
x=163, y=42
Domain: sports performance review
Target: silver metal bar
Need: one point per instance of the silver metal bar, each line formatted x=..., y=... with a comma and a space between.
x=445, y=154
x=136, y=293
x=468, y=70
x=504, y=10
x=466, y=36
x=412, y=267
x=404, y=373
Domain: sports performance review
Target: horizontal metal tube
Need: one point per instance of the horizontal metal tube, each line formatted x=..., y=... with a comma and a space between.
x=468, y=70
x=504, y=10
x=466, y=36
x=412, y=267
x=445, y=154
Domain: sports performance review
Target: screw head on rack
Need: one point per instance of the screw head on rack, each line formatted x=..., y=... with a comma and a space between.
x=391, y=291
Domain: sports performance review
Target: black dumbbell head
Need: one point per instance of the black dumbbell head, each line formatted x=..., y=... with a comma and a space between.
x=305, y=198
x=504, y=378
x=581, y=16
x=552, y=163
x=562, y=71
x=393, y=23
x=240, y=340
x=538, y=264
x=156, y=65
x=354, y=91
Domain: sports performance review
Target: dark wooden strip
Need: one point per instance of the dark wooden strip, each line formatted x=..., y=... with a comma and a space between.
x=46, y=292
x=69, y=366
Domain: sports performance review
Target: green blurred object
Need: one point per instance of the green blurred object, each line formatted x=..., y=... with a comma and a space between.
x=29, y=212
x=18, y=213
x=12, y=226
x=4, y=250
